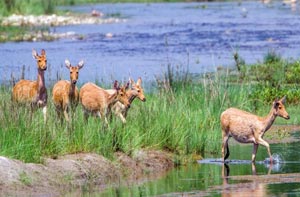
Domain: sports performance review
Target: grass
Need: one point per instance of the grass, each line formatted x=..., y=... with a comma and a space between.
x=38, y=7
x=183, y=119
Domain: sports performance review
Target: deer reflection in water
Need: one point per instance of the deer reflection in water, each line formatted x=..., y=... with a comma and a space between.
x=251, y=188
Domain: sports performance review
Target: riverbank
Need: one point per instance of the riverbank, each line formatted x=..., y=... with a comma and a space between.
x=56, y=177
x=69, y=174
x=38, y=28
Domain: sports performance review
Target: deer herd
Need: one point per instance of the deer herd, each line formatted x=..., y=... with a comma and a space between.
x=243, y=126
x=66, y=96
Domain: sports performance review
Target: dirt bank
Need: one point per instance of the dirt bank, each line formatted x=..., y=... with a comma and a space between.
x=57, y=176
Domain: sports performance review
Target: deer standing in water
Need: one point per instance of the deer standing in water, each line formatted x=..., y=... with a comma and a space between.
x=98, y=101
x=245, y=127
x=33, y=93
x=65, y=94
x=135, y=91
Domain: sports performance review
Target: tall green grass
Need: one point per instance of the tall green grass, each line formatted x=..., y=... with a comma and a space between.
x=181, y=115
x=184, y=121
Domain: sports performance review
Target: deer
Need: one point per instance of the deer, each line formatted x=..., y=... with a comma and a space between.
x=98, y=101
x=33, y=93
x=136, y=91
x=246, y=127
x=65, y=94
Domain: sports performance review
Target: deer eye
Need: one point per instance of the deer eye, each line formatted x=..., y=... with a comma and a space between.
x=76, y=72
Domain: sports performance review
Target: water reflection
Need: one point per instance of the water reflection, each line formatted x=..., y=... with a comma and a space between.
x=252, y=188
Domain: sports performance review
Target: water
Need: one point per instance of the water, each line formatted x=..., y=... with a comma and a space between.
x=200, y=36
x=243, y=178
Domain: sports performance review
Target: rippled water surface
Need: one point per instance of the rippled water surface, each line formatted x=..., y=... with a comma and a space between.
x=201, y=36
x=238, y=178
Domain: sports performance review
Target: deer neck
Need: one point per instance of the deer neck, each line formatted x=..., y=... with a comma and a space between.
x=41, y=82
x=112, y=98
x=269, y=120
x=131, y=96
x=72, y=90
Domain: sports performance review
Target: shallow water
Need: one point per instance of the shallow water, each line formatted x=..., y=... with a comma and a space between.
x=242, y=178
x=200, y=36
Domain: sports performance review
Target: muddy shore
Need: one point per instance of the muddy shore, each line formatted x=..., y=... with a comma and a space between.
x=56, y=177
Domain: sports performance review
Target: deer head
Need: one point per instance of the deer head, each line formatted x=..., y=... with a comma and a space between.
x=138, y=88
x=74, y=70
x=41, y=59
x=121, y=94
x=279, y=108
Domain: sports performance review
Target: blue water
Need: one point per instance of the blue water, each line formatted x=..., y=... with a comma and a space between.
x=206, y=178
x=200, y=36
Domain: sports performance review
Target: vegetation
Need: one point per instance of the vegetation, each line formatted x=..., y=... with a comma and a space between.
x=49, y=6
x=274, y=76
x=181, y=117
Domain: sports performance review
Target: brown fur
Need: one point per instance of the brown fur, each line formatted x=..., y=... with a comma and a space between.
x=33, y=92
x=245, y=127
x=65, y=94
x=97, y=101
x=136, y=91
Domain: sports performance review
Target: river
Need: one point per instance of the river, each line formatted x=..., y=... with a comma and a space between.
x=238, y=178
x=196, y=36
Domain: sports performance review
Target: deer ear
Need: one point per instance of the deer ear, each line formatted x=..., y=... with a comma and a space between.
x=127, y=85
x=116, y=85
x=34, y=54
x=131, y=81
x=43, y=53
x=139, y=81
x=283, y=99
x=68, y=64
x=80, y=64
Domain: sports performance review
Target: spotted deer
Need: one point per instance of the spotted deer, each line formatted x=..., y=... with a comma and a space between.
x=65, y=94
x=136, y=90
x=98, y=101
x=30, y=92
x=245, y=127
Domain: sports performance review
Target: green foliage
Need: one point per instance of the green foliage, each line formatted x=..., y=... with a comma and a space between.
x=272, y=57
x=292, y=72
x=27, y=7
x=273, y=78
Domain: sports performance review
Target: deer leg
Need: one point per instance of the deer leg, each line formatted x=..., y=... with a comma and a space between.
x=58, y=112
x=225, y=145
x=45, y=114
x=66, y=114
x=253, y=169
x=86, y=116
x=122, y=118
x=255, y=146
x=266, y=144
